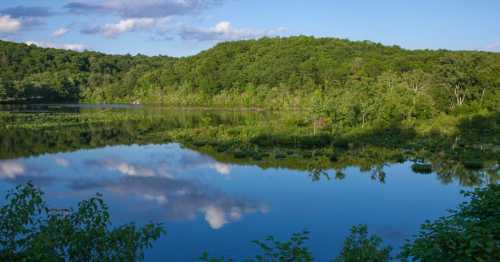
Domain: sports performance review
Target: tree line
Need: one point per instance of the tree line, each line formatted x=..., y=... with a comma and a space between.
x=263, y=70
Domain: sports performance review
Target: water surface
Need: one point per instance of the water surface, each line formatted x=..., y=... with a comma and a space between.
x=220, y=206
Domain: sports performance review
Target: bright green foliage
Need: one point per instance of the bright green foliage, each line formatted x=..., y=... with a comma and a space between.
x=339, y=84
x=30, y=231
x=291, y=250
x=358, y=247
x=470, y=233
x=360, y=82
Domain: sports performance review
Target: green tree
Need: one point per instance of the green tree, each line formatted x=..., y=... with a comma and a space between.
x=469, y=233
x=358, y=247
x=30, y=231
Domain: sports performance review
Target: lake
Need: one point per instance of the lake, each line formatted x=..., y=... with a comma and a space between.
x=208, y=200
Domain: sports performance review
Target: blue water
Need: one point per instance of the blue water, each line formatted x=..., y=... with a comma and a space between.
x=220, y=207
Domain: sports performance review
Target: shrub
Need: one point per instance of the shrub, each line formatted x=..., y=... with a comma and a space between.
x=471, y=233
x=473, y=164
x=360, y=247
x=421, y=168
x=275, y=250
x=30, y=231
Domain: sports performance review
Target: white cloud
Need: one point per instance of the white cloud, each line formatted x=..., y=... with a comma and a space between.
x=223, y=169
x=224, y=31
x=11, y=169
x=180, y=196
x=127, y=25
x=128, y=169
x=27, y=17
x=112, y=30
x=72, y=47
x=9, y=24
x=218, y=216
x=29, y=42
x=60, y=32
x=160, y=199
x=215, y=217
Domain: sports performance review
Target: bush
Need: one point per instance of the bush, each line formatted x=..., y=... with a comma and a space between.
x=30, y=231
x=333, y=158
x=471, y=233
x=421, y=168
x=292, y=250
x=360, y=247
x=473, y=164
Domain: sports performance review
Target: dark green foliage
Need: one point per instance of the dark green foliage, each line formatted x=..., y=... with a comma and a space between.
x=470, y=233
x=206, y=258
x=280, y=155
x=240, y=154
x=347, y=82
x=30, y=231
x=360, y=247
x=47, y=74
x=341, y=86
x=474, y=164
x=273, y=250
x=421, y=168
x=291, y=250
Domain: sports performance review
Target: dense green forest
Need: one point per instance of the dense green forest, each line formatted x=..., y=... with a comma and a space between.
x=359, y=78
x=341, y=87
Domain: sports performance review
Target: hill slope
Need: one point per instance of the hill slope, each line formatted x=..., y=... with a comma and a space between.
x=269, y=71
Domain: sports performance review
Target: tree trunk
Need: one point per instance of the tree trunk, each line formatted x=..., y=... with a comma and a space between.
x=459, y=95
x=482, y=95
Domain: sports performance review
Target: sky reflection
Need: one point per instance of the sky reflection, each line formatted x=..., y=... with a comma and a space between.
x=218, y=207
x=158, y=178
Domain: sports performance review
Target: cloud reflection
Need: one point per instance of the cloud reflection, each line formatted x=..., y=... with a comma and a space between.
x=122, y=167
x=180, y=199
x=223, y=169
x=62, y=162
x=192, y=159
x=18, y=172
x=11, y=169
x=166, y=183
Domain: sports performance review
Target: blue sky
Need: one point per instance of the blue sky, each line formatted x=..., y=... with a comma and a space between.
x=185, y=27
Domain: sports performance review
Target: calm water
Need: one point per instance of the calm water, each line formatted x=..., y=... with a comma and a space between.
x=219, y=207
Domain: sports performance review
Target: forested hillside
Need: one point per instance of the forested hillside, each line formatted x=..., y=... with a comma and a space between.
x=48, y=74
x=354, y=81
